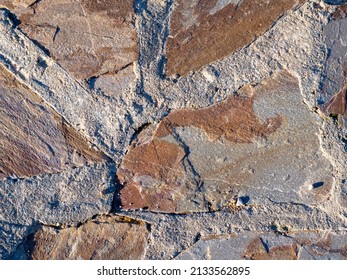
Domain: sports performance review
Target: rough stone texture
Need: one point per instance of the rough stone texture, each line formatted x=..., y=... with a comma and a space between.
x=204, y=31
x=262, y=142
x=336, y=63
x=333, y=96
x=88, y=38
x=104, y=238
x=247, y=151
x=270, y=246
x=65, y=198
x=100, y=119
x=34, y=138
x=111, y=85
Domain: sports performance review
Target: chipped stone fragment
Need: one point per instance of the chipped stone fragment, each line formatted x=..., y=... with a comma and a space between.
x=204, y=31
x=88, y=38
x=34, y=139
x=112, y=84
x=337, y=106
x=262, y=145
x=106, y=238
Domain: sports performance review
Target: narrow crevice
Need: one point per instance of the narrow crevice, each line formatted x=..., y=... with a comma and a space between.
x=138, y=131
x=166, y=32
x=57, y=30
x=116, y=206
x=265, y=244
x=97, y=218
x=187, y=164
x=34, y=4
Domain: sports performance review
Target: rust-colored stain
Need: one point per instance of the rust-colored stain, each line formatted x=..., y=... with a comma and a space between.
x=233, y=119
x=200, y=35
x=257, y=251
x=34, y=139
x=160, y=161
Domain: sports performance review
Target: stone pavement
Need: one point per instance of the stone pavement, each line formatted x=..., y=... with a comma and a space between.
x=171, y=129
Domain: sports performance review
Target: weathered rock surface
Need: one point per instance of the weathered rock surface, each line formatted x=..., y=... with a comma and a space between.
x=337, y=106
x=34, y=138
x=108, y=238
x=336, y=62
x=112, y=84
x=253, y=148
x=101, y=119
x=302, y=245
x=205, y=31
x=88, y=38
x=68, y=198
x=238, y=147
x=64, y=198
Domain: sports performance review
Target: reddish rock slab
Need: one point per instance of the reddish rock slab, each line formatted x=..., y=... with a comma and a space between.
x=87, y=38
x=257, y=250
x=204, y=31
x=259, y=145
x=157, y=163
x=34, y=139
x=233, y=119
x=107, y=238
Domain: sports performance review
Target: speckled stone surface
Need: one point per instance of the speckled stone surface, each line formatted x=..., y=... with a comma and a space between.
x=152, y=129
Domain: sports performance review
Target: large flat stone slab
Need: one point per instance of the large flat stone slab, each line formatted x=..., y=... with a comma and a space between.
x=257, y=147
x=34, y=138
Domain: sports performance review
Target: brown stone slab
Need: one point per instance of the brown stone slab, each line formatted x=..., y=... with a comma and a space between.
x=107, y=238
x=88, y=38
x=204, y=31
x=34, y=139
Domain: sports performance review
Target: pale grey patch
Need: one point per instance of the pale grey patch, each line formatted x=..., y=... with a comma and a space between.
x=223, y=3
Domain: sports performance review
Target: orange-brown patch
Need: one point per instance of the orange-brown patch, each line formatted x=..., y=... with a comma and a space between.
x=257, y=251
x=213, y=36
x=233, y=119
